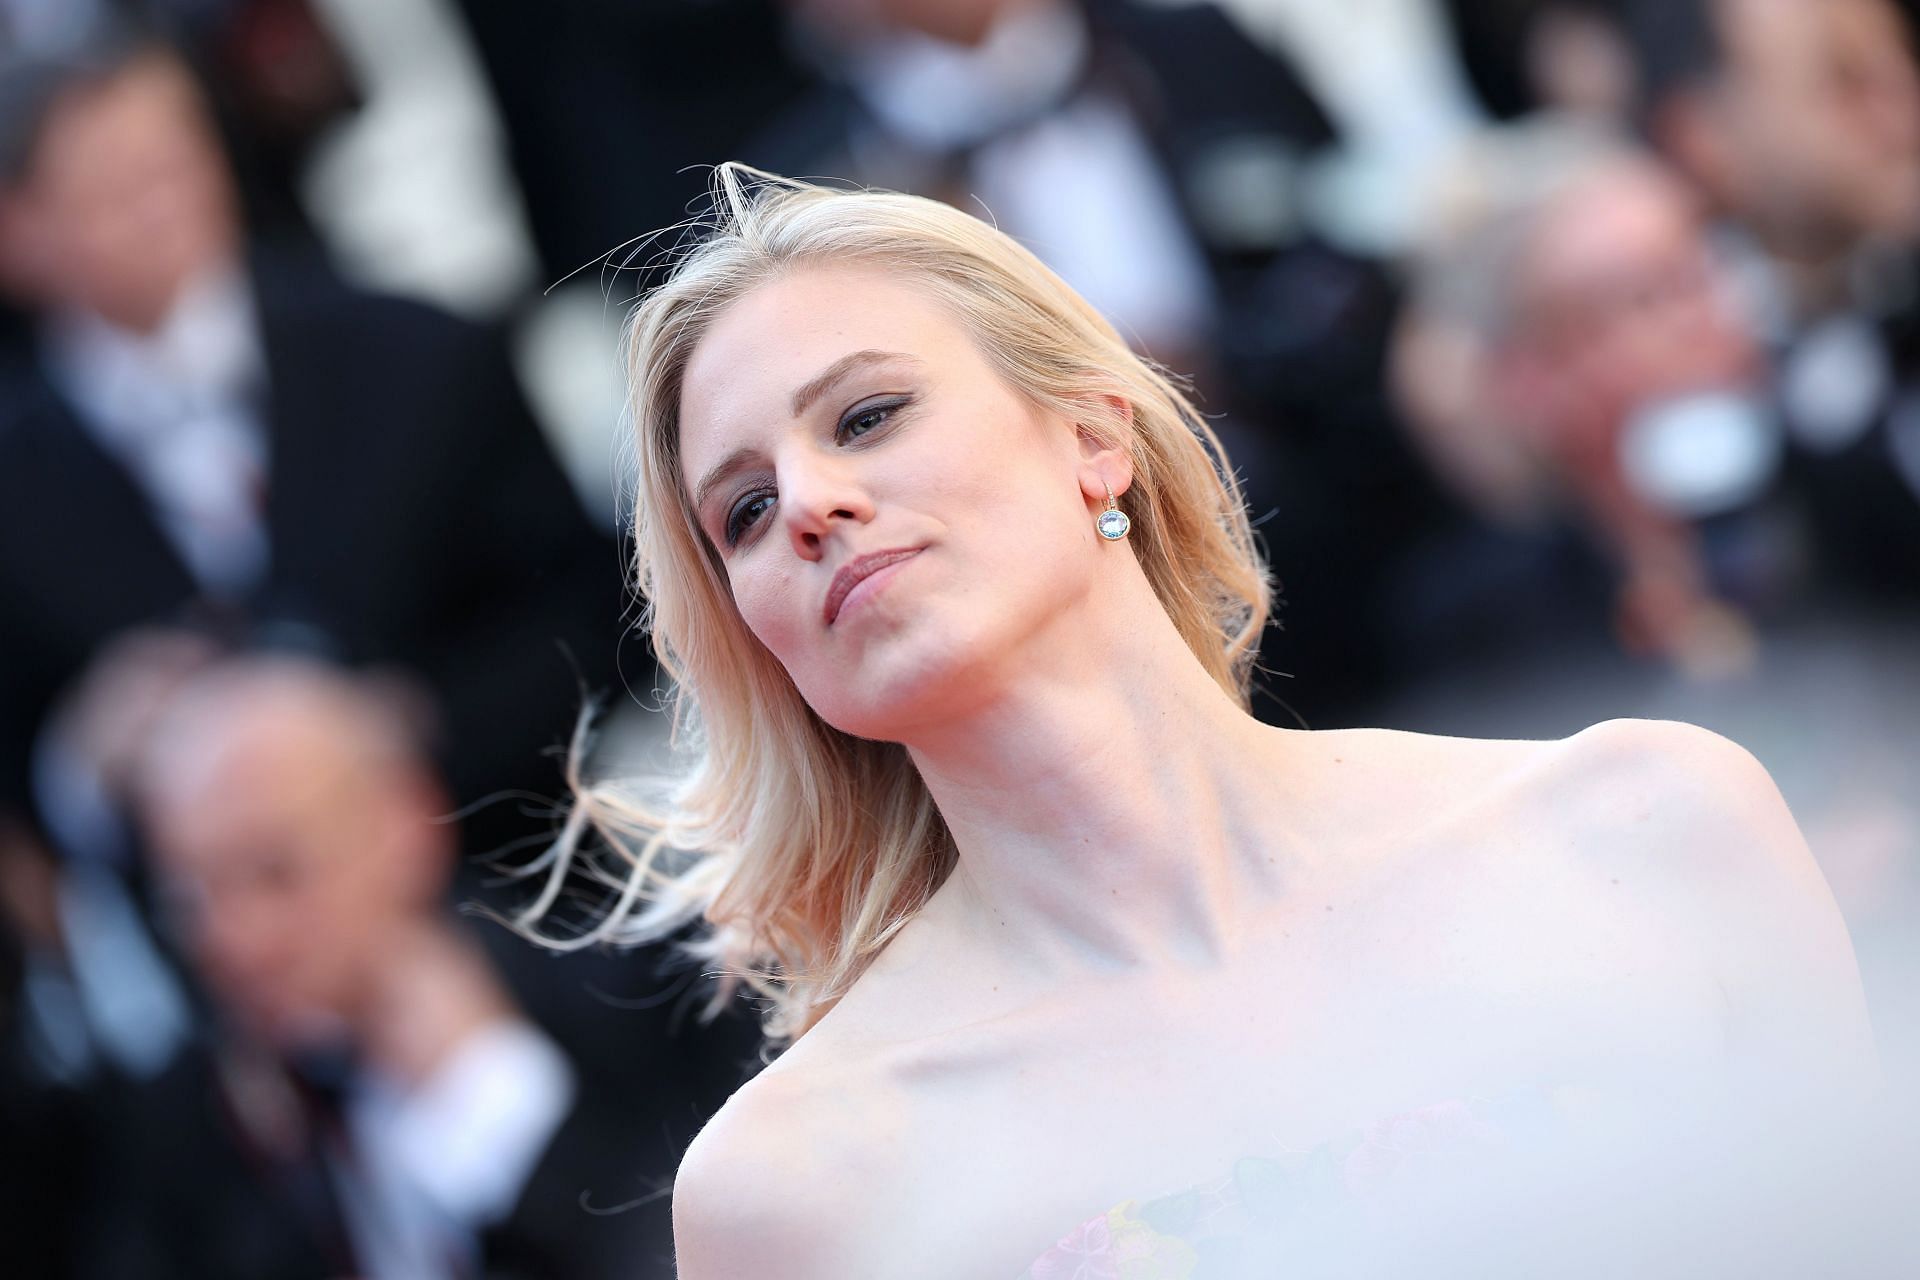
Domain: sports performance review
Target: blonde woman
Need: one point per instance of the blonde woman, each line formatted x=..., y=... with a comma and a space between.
x=960, y=614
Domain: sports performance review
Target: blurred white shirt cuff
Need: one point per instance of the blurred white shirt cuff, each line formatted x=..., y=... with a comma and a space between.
x=470, y=1137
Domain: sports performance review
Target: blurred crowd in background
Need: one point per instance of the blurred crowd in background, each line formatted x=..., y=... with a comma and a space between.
x=1568, y=350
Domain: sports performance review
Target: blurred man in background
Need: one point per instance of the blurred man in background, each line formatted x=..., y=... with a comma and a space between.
x=1576, y=358
x=1582, y=364
x=1799, y=120
x=374, y=1103
x=613, y=111
x=1524, y=56
x=194, y=422
x=208, y=441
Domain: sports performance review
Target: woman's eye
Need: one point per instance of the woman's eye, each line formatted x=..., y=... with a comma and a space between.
x=746, y=513
x=867, y=418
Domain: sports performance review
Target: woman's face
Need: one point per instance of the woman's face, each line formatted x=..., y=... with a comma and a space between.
x=900, y=529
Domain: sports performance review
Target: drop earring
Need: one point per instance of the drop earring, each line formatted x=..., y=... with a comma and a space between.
x=1112, y=523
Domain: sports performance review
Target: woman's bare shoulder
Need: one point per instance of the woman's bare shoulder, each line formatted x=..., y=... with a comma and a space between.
x=1678, y=798
x=1680, y=792
x=734, y=1197
x=772, y=1183
x=1692, y=810
x=1682, y=830
x=1712, y=841
x=1617, y=771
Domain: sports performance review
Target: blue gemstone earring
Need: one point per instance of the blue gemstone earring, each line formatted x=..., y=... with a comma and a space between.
x=1112, y=523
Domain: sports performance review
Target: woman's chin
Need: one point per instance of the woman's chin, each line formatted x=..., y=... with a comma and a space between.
x=899, y=694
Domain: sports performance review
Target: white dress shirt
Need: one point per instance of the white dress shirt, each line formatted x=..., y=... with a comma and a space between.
x=1064, y=169
x=179, y=409
x=437, y=1164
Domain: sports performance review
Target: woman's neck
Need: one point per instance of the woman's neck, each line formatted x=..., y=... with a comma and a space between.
x=1110, y=807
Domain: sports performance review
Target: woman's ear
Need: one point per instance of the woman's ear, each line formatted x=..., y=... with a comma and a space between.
x=1106, y=460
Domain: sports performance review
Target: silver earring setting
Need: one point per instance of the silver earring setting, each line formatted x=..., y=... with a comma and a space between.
x=1112, y=523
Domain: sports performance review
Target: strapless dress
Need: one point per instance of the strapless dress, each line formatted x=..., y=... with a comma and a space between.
x=1239, y=1226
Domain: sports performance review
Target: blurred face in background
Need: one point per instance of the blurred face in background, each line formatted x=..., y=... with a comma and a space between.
x=126, y=199
x=1813, y=132
x=297, y=858
x=1616, y=303
x=961, y=22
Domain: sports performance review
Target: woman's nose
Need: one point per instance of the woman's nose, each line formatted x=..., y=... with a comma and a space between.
x=817, y=495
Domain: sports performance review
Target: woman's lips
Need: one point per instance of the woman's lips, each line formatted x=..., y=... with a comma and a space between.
x=857, y=571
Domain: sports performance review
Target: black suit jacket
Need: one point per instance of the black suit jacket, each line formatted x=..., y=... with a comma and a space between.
x=187, y=1190
x=415, y=517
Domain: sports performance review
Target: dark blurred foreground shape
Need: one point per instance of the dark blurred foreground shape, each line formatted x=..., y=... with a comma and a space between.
x=210, y=444
x=198, y=425
x=371, y=1099
x=614, y=111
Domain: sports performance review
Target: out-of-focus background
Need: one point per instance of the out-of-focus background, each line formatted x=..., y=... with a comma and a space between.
x=1569, y=351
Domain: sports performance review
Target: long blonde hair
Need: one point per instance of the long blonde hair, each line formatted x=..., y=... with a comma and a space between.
x=806, y=848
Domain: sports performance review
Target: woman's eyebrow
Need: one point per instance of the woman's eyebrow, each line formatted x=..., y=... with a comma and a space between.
x=803, y=399
x=720, y=474
x=811, y=391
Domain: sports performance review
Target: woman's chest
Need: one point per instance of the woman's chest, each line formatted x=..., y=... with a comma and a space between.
x=1123, y=1092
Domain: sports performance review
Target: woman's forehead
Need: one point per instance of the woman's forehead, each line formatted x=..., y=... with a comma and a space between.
x=760, y=355
x=807, y=315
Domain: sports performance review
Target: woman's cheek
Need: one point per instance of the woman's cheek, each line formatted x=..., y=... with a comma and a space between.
x=768, y=609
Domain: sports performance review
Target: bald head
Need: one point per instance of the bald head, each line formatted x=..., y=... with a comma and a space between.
x=300, y=829
x=259, y=729
x=1579, y=272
